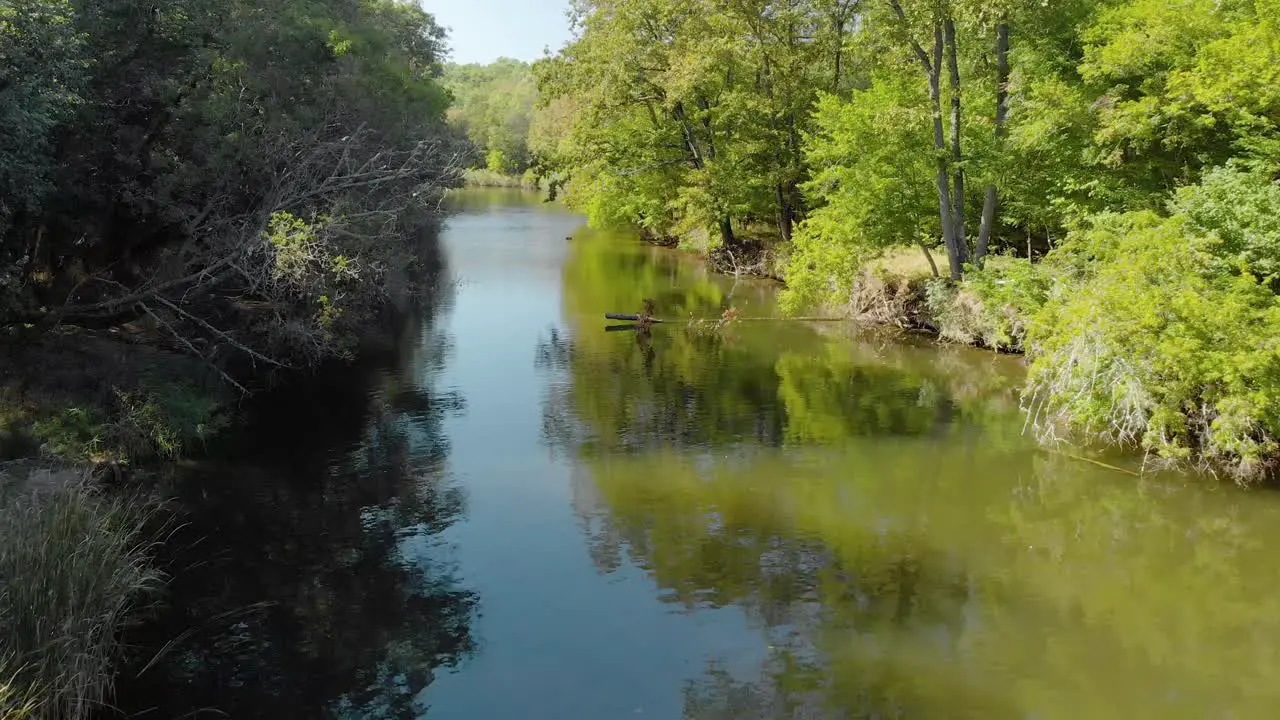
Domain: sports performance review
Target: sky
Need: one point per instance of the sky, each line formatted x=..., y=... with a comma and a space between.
x=481, y=31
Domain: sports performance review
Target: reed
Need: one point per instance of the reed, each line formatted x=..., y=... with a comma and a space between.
x=75, y=567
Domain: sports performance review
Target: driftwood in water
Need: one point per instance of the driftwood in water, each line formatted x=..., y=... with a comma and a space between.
x=650, y=320
x=632, y=318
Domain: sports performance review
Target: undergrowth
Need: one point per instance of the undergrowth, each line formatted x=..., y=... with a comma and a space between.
x=82, y=400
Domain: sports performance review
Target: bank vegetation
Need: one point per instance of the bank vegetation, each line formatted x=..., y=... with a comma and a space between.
x=195, y=195
x=1093, y=182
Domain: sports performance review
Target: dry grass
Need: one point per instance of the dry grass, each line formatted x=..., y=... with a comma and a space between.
x=908, y=263
x=16, y=703
x=74, y=568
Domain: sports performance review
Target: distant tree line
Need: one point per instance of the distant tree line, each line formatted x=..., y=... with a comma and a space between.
x=493, y=106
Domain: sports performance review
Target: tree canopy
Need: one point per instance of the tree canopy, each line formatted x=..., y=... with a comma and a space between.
x=240, y=175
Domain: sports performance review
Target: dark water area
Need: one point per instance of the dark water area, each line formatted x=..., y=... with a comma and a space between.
x=510, y=512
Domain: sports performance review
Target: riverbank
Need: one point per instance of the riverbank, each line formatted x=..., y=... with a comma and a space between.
x=89, y=420
x=483, y=178
x=81, y=412
x=901, y=288
x=1117, y=351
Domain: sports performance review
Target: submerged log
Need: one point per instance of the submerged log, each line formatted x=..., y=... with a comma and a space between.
x=632, y=318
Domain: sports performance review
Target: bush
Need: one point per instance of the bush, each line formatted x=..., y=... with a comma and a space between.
x=74, y=567
x=1150, y=340
x=141, y=424
x=1242, y=208
x=991, y=305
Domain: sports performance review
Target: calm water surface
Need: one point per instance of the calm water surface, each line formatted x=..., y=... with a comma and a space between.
x=512, y=512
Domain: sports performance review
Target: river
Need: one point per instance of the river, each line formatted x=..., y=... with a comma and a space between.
x=511, y=511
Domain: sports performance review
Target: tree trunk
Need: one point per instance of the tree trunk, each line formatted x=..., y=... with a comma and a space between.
x=933, y=69
x=726, y=233
x=954, y=257
x=991, y=202
x=695, y=156
x=929, y=256
x=957, y=167
x=784, y=212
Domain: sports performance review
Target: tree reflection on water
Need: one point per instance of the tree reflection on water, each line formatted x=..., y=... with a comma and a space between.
x=309, y=579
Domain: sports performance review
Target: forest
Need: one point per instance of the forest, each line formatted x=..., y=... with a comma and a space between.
x=1093, y=182
x=243, y=185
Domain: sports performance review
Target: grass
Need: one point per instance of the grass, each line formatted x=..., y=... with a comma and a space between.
x=908, y=263
x=16, y=703
x=75, y=567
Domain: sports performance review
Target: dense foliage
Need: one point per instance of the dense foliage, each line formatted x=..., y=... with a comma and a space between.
x=493, y=106
x=1132, y=145
x=240, y=177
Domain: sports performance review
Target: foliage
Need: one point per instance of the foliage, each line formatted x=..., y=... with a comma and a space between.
x=162, y=422
x=1135, y=124
x=95, y=399
x=74, y=567
x=1242, y=208
x=872, y=151
x=1150, y=340
x=154, y=149
x=688, y=115
x=990, y=307
x=493, y=106
x=484, y=177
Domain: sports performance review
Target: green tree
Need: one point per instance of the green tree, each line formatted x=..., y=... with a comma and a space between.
x=493, y=105
x=169, y=159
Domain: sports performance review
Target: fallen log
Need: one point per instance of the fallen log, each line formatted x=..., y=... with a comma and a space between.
x=632, y=318
x=783, y=318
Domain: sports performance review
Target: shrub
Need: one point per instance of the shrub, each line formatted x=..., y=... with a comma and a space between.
x=1150, y=340
x=990, y=307
x=160, y=421
x=74, y=567
x=1242, y=208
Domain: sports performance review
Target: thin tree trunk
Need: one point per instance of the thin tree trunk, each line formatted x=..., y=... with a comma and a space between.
x=786, y=213
x=695, y=156
x=991, y=202
x=933, y=69
x=954, y=258
x=929, y=256
x=957, y=167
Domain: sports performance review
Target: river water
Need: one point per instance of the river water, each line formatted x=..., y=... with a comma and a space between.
x=512, y=511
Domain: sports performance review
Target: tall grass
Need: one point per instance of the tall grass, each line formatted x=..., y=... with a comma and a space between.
x=16, y=703
x=74, y=567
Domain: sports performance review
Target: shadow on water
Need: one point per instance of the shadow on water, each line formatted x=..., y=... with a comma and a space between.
x=308, y=576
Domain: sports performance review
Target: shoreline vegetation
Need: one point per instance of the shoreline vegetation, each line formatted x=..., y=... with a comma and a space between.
x=1094, y=183
x=197, y=200
x=485, y=178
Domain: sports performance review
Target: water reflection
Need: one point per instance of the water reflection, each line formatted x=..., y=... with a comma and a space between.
x=309, y=579
x=903, y=549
